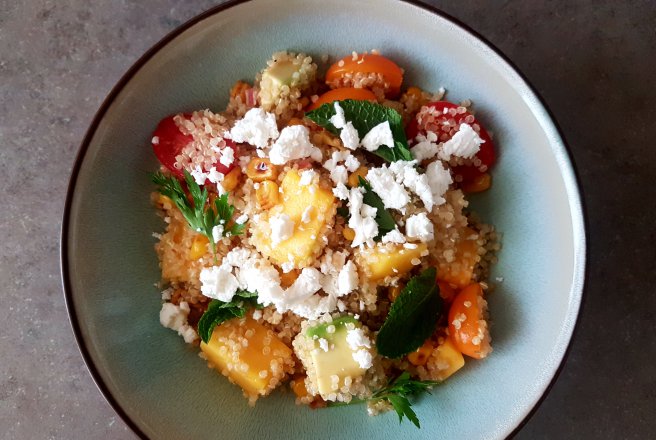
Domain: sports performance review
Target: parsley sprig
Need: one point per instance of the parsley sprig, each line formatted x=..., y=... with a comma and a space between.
x=219, y=311
x=397, y=393
x=200, y=215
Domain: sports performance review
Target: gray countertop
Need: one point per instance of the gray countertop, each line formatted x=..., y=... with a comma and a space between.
x=592, y=61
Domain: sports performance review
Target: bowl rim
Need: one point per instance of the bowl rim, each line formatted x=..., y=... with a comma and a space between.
x=579, y=214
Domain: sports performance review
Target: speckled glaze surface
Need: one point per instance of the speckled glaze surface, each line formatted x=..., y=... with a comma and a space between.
x=161, y=386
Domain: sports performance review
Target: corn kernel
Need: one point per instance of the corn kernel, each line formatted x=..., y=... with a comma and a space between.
x=479, y=184
x=348, y=233
x=260, y=169
x=267, y=194
x=353, y=179
x=421, y=355
x=231, y=180
x=198, y=247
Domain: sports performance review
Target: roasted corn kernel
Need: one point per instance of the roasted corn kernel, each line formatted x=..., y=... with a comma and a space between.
x=260, y=169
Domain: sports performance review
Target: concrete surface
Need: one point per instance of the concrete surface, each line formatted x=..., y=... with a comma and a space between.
x=591, y=60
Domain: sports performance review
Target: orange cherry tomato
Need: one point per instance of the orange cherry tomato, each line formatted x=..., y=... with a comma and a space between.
x=341, y=94
x=467, y=325
x=368, y=63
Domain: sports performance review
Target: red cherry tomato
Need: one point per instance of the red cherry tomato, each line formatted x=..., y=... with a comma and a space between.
x=486, y=154
x=169, y=142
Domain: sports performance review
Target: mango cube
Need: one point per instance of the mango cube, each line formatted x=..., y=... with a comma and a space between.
x=249, y=354
x=448, y=357
x=389, y=260
x=306, y=242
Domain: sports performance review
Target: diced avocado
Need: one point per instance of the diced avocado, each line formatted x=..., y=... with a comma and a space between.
x=321, y=330
x=282, y=72
x=337, y=361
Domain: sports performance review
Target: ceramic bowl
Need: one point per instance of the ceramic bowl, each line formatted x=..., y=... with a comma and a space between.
x=159, y=385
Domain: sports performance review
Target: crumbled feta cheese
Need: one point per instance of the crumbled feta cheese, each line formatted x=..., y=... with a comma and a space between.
x=287, y=266
x=393, y=236
x=363, y=358
x=214, y=176
x=198, y=175
x=348, y=134
x=218, y=282
x=347, y=280
x=378, y=136
x=365, y=226
x=424, y=150
x=407, y=174
x=383, y=182
x=257, y=127
x=341, y=191
x=227, y=156
x=241, y=219
x=323, y=344
x=339, y=175
x=357, y=339
x=217, y=233
x=293, y=143
x=175, y=317
x=439, y=179
x=306, y=217
x=307, y=177
x=351, y=163
x=465, y=143
x=419, y=226
x=282, y=228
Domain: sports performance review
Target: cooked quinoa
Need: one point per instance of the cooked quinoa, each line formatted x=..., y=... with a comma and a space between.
x=309, y=304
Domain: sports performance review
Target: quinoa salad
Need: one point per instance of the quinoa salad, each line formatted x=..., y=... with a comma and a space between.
x=317, y=237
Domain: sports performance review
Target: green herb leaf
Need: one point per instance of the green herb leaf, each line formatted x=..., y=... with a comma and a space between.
x=218, y=312
x=383, y=217
x=199, y=215
x=412, y=317
x=364, y=116
x=397, y=393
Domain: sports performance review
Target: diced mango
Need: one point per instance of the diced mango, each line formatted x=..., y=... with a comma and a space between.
x=389, y=260
x=251, y=355
x=307, y=240
x=447, y=354
x=337, y=361
x=459, y=272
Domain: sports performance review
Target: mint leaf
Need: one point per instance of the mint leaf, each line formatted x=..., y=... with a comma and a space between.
x=364, y=116
x=383, y=217
x=218, y=312
x=412, y=317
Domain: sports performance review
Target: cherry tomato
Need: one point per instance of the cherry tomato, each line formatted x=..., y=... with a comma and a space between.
x=168, y=142
x=368, y=63
x=341, y=94
x=467, y=325
x=486, y=154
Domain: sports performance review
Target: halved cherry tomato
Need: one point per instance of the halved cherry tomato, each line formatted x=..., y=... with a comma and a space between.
x=368, y=63
x=168, y=142
x=486, y=154
x=341, y=94
x=467, y=325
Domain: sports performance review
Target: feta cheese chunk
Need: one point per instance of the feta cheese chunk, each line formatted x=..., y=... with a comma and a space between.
x=419, y=226
x=361, y=219
x=348, y=134
x=424, y=150
x=347, y=280
x=227, y=156
x=393, y=236
x=218, y=282
x=378, y=136
x=293, y=143
x=307, y=177
x=439, y=179
x=339, y=175
x=383, y=182
x=465, y=143
x=175, y=318
x=198, y=175
x=282, y=227
x=257, y=127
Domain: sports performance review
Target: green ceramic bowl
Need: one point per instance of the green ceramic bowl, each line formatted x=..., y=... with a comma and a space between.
x=159, y=385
